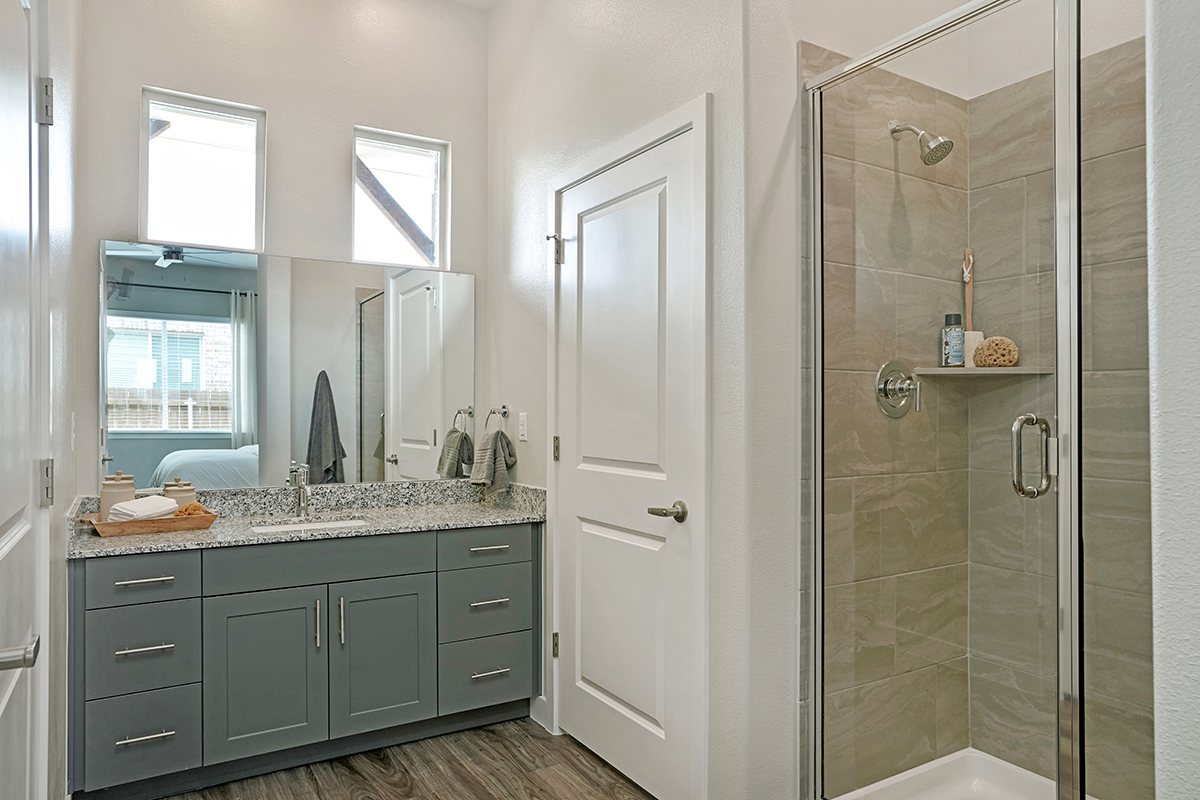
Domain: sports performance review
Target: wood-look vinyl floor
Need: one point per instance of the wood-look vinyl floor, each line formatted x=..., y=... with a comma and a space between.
x=511, y=761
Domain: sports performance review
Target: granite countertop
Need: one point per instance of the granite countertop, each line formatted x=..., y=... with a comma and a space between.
x=235, y=530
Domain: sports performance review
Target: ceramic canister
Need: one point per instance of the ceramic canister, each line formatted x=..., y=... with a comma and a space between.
x=180, y=491
x=114, y=489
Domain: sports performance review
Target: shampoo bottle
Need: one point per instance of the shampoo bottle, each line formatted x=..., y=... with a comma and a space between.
x=952, y=341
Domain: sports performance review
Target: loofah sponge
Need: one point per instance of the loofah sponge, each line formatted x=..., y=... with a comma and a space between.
x=996, y=351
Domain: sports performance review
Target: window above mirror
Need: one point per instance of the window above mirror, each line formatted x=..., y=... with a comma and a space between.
x=401, y=203
x=202, y=171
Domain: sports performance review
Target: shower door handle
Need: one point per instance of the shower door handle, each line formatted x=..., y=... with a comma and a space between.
x=1018, y=476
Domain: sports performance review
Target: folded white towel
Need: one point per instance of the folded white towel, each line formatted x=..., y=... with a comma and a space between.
x=153, y=506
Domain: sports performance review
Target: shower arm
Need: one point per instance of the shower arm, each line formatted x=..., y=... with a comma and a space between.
x=895, y=129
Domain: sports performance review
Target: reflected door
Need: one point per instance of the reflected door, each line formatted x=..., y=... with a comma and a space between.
x=413, y=360
x=631, y=388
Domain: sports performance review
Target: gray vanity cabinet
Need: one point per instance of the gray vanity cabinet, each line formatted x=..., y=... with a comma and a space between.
x=382, y=653
x=266, y=672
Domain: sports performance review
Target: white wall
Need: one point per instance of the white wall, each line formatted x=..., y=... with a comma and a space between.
x=1173, y=62
x=567, y=78
x=319, y=67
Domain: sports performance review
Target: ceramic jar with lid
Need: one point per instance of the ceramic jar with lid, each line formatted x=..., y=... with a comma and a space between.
x=114, y=489
x=180, y=491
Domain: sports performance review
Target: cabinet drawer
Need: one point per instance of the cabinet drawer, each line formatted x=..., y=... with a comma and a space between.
x=253, y=568
x=138, y=648
x=145, y=578
x=485, y=601
x=139, y=736
x=481, y=547
x=484, y=672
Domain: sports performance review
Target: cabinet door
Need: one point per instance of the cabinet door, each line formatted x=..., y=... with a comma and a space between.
x=382, y=654
x=266, y=672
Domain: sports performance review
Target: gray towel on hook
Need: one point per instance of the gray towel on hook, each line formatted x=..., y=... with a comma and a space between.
x=494, y=457
x=458, y=449
x=326, y=456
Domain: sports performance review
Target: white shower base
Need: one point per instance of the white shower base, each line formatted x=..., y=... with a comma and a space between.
x=966, y=775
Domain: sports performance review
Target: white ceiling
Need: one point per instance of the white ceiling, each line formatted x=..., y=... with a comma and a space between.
x=479, y=3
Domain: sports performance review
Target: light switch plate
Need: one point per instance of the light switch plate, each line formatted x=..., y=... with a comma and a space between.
x=523, y=426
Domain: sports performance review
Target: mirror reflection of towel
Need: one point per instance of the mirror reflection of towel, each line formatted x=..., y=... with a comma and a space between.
x=458, y=449
x=494, y=457
x=326, y=456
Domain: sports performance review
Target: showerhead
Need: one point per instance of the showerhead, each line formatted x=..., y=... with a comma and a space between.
x=933, y=148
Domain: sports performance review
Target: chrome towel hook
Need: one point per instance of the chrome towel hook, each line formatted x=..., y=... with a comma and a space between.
x=468, y=412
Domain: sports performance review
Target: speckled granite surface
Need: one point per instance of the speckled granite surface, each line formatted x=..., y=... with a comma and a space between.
x=384, y=508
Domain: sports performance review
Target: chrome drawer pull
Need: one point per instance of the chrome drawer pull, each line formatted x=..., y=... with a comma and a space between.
x=497, y=601
x=141, y=581
x=479, y=675
x=489, y=547
x=133, y=651
x=151, y=738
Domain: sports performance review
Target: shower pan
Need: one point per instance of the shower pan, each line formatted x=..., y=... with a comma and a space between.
x=979, y=536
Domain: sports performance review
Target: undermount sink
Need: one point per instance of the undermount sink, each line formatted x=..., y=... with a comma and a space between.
x=315, y=525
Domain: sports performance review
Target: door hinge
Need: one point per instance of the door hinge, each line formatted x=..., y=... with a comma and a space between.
x=47, y=482
x=556, y=644
x=45, y=101
x=559, y=249
x=556, y=448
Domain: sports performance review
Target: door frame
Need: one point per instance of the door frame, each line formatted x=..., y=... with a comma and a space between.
x=695, y=117
x=1067, y=13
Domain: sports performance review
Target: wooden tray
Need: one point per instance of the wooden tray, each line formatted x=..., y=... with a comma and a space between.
x=194, y=522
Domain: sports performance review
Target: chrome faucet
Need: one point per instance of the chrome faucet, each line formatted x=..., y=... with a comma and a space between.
x=298, y=477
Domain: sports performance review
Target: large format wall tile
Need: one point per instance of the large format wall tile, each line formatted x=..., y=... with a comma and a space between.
x=859, y=633
x=1116, y=425
x=1118, y=624
x=879, y=218
x=953, y=707
x=995, y=403
x=921, y=308
x=1112, y=197
x=997, y=521
x=931, y=617
x=953, y=422
x=1012, y=131
x=1130, y=681
x=873, y=732
x=1039, y=223
x=1014, y=720
x=861, y=440
x=859, y=317
x=815, y=59
x=1116, y=316
x=851, y=540
x=997, y=230
x=1119, y=748
x=922, y=518
x=1013, y=619
x=1116, y=551
x=1112, y=99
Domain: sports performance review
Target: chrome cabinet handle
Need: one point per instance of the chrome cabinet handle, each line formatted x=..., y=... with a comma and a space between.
x=1018, y=471
x=20, y=657
x=318, y=624
x=133, y=651
x=142, y=739
x=479, y=675
x=489, y=548
x=142, y=581
x=678, y=512
x=342, y=619
x=497, y=601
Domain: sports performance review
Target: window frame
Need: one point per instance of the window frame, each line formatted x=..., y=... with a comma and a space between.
x=151, y=94
x=442, y=147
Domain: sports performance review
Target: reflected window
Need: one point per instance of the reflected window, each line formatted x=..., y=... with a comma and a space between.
x=400, y=204
x=169, y=374
x=202, y=168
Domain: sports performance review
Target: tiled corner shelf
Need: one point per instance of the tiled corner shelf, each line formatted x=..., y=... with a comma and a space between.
x=979, y=372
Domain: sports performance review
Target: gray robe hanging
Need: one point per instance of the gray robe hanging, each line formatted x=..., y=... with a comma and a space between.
x=326, y=456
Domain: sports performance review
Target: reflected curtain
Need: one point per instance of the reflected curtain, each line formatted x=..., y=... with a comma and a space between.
x=243, y=318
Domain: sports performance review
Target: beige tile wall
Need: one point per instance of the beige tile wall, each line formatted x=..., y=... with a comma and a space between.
x=922, y=530
x=1012, y=605
x=895, y=634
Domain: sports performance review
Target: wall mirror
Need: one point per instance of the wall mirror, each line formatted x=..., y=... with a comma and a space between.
x=213, y=362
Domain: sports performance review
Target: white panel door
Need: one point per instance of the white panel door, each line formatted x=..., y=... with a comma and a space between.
x=631, y=389
x=18, y=552
x=413, y=353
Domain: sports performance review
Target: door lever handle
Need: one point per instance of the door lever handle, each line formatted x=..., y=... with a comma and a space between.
x=678, y=512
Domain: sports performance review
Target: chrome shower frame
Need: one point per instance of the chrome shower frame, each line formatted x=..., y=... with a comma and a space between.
x=1067, y=377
